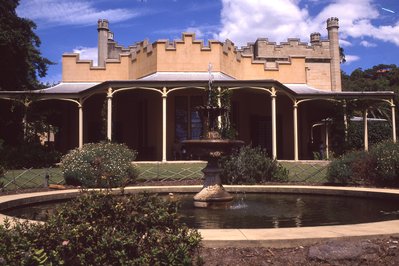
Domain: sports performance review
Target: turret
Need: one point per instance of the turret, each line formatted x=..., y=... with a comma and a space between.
x=103, y=32
x=332, y=28
x=315, y=38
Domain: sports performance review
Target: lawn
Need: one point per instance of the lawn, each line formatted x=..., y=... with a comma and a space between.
x=300, y=172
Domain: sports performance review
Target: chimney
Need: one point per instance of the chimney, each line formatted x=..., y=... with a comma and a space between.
x=103, y=30
x=332, y=28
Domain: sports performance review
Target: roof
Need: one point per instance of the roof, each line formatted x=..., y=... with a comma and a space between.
x=304, y=91
x=159, y=80
x=73, y=87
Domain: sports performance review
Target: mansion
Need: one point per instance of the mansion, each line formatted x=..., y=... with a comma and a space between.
x=146, y=95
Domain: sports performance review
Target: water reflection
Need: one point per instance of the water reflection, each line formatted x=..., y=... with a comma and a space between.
x=288, y=210
x=268, y=211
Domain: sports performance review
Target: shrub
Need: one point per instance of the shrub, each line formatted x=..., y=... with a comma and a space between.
x=348, y=169
x=377, y=132
x=251, y=165
x=101, y=229
x=2, y=173
x=378, y=167
x=386, y=161
x=103, y=164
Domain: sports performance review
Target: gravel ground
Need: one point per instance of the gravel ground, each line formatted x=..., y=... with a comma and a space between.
x=378, y=251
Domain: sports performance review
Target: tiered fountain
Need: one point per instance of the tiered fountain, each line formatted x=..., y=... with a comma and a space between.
x=211, y=147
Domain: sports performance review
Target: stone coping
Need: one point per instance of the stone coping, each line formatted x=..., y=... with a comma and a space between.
x=269, y=237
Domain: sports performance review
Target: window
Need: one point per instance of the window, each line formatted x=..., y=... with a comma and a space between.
x=187, y=121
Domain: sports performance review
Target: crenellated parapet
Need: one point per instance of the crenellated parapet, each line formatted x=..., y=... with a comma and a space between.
x=270, y=51
x=332, y=22
x=292, y=61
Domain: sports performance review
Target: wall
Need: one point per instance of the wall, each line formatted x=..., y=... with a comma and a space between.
x=290, y=62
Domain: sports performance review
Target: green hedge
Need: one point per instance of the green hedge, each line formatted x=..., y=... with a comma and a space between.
x=102, y=229
x=251, y=165
x=378, y=167
x=103, y=164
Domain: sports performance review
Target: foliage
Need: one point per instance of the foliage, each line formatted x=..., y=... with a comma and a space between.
x=378, y=78
x=344, y=169
x=227, y=130
x=2, y=173
x=377, y=132
x=28, y=155
x=386, y=161
x=21, y=61
x=251, y=165
x=103, y=164
x=342, y=58
x=2, y=170
x=379, y=167
x=102, y=229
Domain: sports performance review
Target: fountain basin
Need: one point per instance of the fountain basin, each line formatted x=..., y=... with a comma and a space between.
x=211, y=147
x=246, y=237
x=260, y=210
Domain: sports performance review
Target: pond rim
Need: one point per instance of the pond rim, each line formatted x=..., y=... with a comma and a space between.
x=268, y=237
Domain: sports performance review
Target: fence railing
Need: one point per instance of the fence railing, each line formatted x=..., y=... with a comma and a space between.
x=299, y=172
x=170, y=171
x=307, y=171
x=32, y=178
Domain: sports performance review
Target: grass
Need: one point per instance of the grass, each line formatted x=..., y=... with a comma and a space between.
x=32, y=178
x=165, y=171
x=301, y=172
x=306, y=172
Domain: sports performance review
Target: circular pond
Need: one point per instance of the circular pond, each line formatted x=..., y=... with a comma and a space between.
x=265, y=210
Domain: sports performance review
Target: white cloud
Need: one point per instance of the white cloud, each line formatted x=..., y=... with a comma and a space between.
x=367, y=44
x=87, y=53
x=345, y=43
x=351, y=58
x=69, y=12
x=245, y=20
x=198, y=32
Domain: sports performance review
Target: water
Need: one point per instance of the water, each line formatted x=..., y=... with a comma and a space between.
x=267, y=211
x=289, y=210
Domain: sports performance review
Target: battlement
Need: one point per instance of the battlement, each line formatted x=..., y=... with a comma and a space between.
x=315, y=38
x=102, y=24
x=332, y=22
x=292, y=61
x=262, y=49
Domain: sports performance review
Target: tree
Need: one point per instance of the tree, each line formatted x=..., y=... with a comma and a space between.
x=378, y=78
x=21, y=60
x=342, y=58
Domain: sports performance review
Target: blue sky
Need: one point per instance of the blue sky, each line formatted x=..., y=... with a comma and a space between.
x=369, y=29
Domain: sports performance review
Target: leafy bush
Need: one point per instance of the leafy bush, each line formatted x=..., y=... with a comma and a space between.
x=28, y=155
x=377, y=132
x=101, y=229
x=103, y=164
x=2, y=173
x=386, y=161
x=379, y=166
x=349, y=168
x=251, y=165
